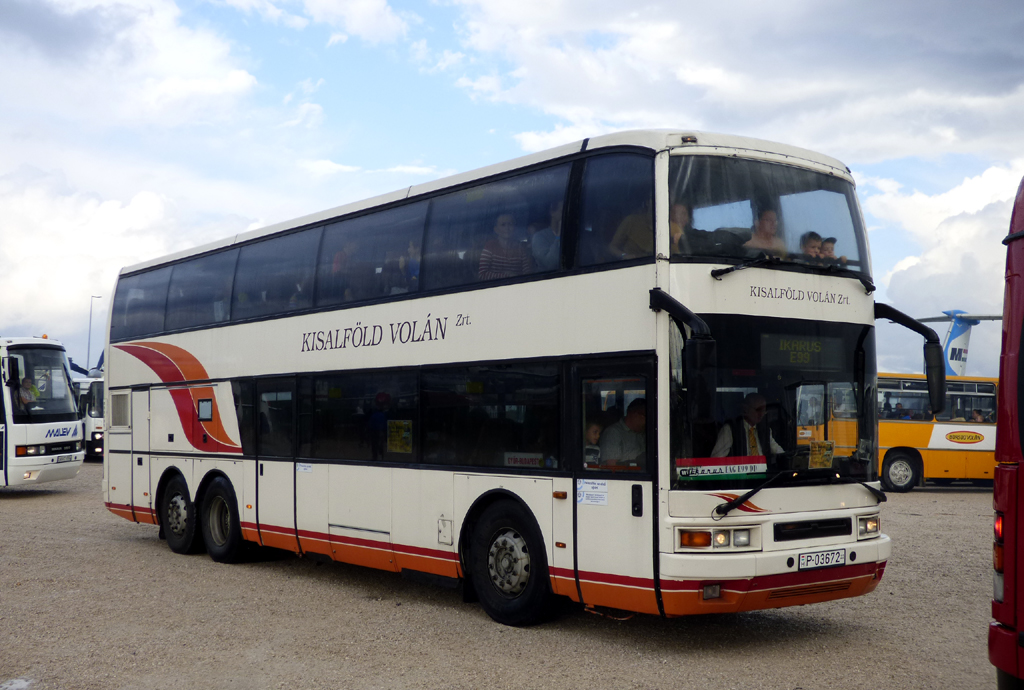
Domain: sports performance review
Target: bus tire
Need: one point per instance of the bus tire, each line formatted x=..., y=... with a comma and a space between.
x=178, y=518
x=509, y=568
x=899, y=472
x=222, y=530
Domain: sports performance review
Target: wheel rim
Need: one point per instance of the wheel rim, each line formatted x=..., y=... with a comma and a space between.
x=220, y=520
x=900, y=472
x=177, y=514
x=508, y=562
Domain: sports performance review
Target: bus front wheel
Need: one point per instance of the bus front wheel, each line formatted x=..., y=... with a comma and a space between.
x=508, y=565
x=222, y=531
x=178, y=518
x=899, y=472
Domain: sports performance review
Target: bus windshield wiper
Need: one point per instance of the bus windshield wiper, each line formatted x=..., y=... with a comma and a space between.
x=764, y=259
x=723, y=509
x=758, y=261
x=869, y=286
x=879, y=495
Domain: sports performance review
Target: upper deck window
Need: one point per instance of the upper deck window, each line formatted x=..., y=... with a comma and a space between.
x=493, y=231
x=617, y=209
x=736, y=208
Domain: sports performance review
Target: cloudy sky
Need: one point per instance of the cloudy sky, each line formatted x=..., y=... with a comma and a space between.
x=133, y=128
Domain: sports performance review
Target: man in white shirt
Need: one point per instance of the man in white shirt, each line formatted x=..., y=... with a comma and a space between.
x=752, y=439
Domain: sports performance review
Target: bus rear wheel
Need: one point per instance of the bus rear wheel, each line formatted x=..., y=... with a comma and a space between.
x=178, y=518
x=508, y=566
x=899, y=472
x=222, y=530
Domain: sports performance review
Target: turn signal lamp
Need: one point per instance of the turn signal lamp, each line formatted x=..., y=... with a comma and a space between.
x=999, y=527
x=997, y=557
x=694, y=539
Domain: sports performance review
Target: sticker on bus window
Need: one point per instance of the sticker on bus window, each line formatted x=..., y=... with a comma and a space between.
x=821, y=455
x=524, y=460
x=743, y=467
x=399, y=436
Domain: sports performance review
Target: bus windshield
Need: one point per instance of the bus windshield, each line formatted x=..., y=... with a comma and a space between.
x=736, y=208
x=790, y=400
x=44, y=393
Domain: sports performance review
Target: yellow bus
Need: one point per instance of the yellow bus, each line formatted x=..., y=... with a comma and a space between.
x=914, y=445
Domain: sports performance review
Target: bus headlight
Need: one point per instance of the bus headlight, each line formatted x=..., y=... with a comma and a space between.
x=29, y=450
x=741, y=537
x=721, y=538
x=97, y=436
x=868, y=527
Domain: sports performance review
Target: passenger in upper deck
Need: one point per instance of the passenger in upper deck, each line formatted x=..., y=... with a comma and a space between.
x=634, y=237
x=810, y=245
x=546, y=244
x=828, y=251
x=680, y=228
x=765, y=235
x=503, y=256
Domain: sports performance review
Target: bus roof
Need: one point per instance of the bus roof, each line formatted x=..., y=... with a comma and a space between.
x=708, y=143
x=8, y=341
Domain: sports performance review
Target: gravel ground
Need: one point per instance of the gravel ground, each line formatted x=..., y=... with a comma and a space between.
x=89, y=600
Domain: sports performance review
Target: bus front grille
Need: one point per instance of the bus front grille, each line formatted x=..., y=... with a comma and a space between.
x=813, y=529
x=823, y=588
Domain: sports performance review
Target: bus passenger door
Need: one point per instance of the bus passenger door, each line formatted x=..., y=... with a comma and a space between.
x=275, y=463
x=142, y=502
x=614, y=441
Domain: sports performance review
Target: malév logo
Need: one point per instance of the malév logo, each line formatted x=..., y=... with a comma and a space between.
x=63, y=432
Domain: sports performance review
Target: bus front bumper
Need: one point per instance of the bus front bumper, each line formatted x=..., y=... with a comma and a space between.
x=44, y=471
x=693, y=583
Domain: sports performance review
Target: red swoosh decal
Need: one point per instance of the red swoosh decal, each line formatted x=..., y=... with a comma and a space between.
x=747, y=506
x=175, y=365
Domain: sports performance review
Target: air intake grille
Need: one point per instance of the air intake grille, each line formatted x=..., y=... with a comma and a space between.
x=825, y=588
x=813, y=529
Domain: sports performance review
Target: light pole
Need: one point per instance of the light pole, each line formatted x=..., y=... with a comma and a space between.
x=88, y=347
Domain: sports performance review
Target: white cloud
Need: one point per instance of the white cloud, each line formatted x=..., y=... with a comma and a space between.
x=308, y=115
x=123, y=62
x=270, y=11
x=323, y=168
x=373, y=21
x=905, y=79
x=59, y=247
x=960, y=266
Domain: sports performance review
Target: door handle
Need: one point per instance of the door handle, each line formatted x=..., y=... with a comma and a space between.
x=638, y=500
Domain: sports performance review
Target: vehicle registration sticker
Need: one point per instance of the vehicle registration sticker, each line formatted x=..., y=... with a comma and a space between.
x=65, y=458
x=822, y=559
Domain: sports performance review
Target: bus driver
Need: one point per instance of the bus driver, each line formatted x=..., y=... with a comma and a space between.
x=743, y=436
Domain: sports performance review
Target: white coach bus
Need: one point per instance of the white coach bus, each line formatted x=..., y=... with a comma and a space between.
x=526, y=377
x=40, y=432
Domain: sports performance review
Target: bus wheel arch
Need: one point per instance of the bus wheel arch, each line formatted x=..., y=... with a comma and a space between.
x=505, y=559
x=178, y=515
x=902, y=469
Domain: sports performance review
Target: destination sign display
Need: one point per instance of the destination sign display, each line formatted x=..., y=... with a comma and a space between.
x=811, y=353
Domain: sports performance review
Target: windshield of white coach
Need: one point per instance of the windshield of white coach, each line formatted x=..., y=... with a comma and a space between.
x=43, y=392
x=734, y=208
x=788, y=395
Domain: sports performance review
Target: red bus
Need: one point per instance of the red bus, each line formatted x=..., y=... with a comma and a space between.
x=1005, y=639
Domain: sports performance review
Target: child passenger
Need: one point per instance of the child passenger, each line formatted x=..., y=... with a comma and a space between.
x=592, y=451
x=810, y=244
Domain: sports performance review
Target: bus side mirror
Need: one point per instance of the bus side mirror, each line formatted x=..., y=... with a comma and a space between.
x=935, y=369
x=702, y=372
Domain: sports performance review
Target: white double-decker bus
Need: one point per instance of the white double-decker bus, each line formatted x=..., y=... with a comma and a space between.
x=40, y=431
x=540, y=378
